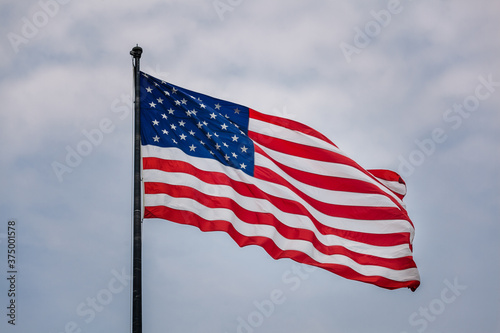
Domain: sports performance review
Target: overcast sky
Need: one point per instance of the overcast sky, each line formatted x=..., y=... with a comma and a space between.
x=411, y=86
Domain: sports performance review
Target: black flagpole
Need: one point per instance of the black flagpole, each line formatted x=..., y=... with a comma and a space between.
x=137, y=240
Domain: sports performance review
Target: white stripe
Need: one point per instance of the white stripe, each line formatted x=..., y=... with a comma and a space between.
x=210, y=165
x=284, y=133
x=264, y=206
x=251, y=230
x=318, y=167
x=393, y=186
x=323, y=195
x=280, y=132
x=321, y=168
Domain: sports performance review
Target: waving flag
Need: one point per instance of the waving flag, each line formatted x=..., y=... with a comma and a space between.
x=271, y=182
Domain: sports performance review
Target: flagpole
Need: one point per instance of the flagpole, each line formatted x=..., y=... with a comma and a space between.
x=137, y=230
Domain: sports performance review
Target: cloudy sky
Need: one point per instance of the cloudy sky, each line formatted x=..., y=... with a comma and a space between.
x=412, y=86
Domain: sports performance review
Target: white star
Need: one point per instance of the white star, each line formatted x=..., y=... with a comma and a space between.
x=165, y=132
x=217, y=146
x=225, y=145
x=164, y=116
x=205, y=123
x=155, y=122
x=202, y=105
x=209, y=135
x=202, y=143
x=173, y=140
x=160, y=100
x=170, y=111
x=174, y=90
x=235, y=138
x=166, y=93
x=183, y=136
x=213, y=115
x=243, y=166
x=188, y=113
x=236, y=111
x=192, y=148
x=226, y=157
x=224, y=126
x=177, y=103
x=200, y=125
x=148, y=89
x=152, y=104
x=244, y=149
x=183, y=101
x=191, y=132
x=156, y=138
x=182, y=123
x=234, y=155
x=217, y=106
x=172, y=126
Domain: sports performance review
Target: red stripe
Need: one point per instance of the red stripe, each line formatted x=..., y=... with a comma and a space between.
x=343, y=211
x=313, y=153
x=389, y=176
x=300, y=150
x=190, y=218
x=285, y=205
x=328, y=182
x=259, y=218
x=289, y=124
x=352, y=212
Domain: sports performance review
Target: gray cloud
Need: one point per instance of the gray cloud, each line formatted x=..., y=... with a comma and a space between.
x=281, y=57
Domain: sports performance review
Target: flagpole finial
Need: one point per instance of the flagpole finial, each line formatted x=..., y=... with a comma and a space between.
x=136, y=51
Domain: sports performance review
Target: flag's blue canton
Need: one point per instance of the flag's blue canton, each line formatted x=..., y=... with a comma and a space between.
x=197, y=124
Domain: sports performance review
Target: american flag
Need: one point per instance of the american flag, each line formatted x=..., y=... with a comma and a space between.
x=272, y=182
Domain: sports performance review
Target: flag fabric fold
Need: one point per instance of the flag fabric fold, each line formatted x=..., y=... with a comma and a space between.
x=272, y=182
